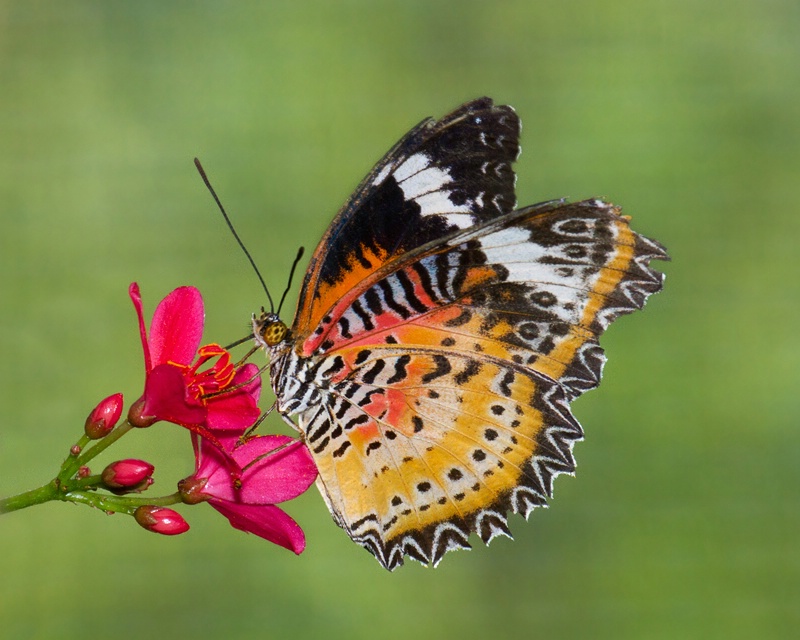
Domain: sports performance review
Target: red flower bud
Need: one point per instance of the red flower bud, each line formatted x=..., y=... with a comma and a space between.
x=191, y=490
x=104, y=416
x=135, y=416
x=161, y=520
x=128, y=474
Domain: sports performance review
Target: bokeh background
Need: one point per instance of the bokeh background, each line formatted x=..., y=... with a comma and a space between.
x=683, y=519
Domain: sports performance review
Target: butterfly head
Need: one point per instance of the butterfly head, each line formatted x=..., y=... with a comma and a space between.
x=269, y=330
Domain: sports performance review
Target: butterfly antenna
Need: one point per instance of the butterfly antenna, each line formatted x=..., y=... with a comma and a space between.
x=291, y=275
x=233, y=231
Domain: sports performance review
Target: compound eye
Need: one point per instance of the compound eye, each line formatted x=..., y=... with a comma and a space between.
x=274, y=332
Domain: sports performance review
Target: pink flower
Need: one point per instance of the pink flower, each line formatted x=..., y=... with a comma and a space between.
x=206, y=395
x=217, y=402
x=274, y=469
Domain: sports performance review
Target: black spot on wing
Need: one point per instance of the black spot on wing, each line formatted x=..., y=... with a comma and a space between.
x=388, y=296
x=425, y=280
x=408, y=291
x=365, y=318
x=443, y=367
x=472, y=369
x=338, y=453
x=400, y=372
x=372, y=373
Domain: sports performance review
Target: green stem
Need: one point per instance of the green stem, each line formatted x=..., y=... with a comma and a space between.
x=119, y=504
x=83, y=483
x=71, y=465
x=29, y=498
x=105, y=502
x=57, y=489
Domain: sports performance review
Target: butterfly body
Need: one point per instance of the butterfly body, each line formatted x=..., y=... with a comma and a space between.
x=441, y=335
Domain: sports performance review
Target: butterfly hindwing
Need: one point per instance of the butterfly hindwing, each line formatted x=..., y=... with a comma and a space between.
x=421, y=447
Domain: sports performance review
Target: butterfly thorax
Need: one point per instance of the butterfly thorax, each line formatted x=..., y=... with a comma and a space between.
x=272, y=334
x=296, y=382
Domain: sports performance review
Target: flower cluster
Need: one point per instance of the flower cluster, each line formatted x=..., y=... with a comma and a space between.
x=199, y=388
x=202, y=389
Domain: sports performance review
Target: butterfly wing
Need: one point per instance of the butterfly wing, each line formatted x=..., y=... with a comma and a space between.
x=444, y=376
x=442, y=176
x=419, y=448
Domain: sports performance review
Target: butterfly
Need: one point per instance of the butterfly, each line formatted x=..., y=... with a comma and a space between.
x=441, y=334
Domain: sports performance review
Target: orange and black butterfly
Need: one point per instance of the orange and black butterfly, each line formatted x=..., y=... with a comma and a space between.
x=441, y=335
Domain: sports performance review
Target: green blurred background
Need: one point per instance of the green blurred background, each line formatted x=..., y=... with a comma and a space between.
x=683, y=519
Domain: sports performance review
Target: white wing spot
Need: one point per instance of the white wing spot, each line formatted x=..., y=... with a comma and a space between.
x=412, y=166
x=382, y=175
x=425, y=185
x=424, y=182
x=438, y=203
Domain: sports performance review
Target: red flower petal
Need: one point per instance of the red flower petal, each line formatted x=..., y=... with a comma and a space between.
x=166, y=398
x=136, y=298
x=249, y=376
x=177, y=327
x=267, y=521
x=276, y=477
x=232, y=412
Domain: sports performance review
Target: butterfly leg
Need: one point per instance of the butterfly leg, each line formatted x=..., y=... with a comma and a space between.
x=257, y=423
x=291, y=423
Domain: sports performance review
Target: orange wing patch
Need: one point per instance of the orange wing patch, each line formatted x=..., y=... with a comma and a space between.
x=356, y=267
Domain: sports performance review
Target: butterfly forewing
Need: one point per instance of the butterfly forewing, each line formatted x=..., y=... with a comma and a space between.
x=437, y=346
x=536, y=287
x=443, y=175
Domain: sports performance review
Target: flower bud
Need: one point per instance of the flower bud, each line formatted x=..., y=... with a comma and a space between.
x=135, y=416
x=161, y=520
x=83, y=472
x=104, y=416
x=128, y=474
x=191, y=490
